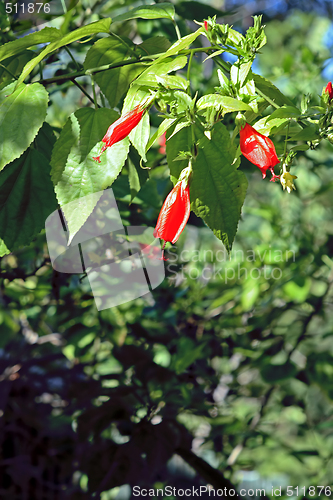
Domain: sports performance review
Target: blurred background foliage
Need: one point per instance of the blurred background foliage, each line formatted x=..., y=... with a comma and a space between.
x=228, y=365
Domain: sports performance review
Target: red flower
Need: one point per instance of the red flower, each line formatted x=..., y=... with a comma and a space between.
x=329, y=90
x=258, y=149
x=174, y=214
x=121, y=128
x=206, y=25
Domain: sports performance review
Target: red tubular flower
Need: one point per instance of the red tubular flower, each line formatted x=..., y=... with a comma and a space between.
x=121, y=128
x=206, y=25
x=174, y=214
x=258, y=149
x=329, y=90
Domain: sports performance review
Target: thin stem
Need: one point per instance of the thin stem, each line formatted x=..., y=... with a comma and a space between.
x=6, y=69
x=268, y=99
x=94, y=91
x=71, y=56
x=176, y=29
x=188, y=73
x=126, y=45
x=64, y=6
x=84, y=92
x=285, y=147
x=106, y=67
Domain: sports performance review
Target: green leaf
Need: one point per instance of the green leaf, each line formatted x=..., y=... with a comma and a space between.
x=227, y=104
x=139, y=136
x=154, y=45
x=102, y=26
x=152, y=76
x=239, y=71
x=268, y=89
x=271, y=127
x=3, y=249
x=158, y=11
x=284, y=112
x=217, y=188
x=113, y=82
x=310, y=133
x=22, y=113
x=14, y=64
x=13, y=48
x=45, y=140
x=26, y=198
x=74, y=172
x=181, y=44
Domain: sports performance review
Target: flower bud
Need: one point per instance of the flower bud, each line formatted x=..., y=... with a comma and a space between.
x=258, y=149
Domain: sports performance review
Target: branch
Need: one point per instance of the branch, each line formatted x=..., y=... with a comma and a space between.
x=99, y=69
x=206, y=471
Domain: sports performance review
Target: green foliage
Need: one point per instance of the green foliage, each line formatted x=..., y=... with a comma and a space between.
x=23, y=112
x=228, y=363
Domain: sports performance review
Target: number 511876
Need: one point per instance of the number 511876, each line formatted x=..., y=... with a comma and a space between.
x=30, y=8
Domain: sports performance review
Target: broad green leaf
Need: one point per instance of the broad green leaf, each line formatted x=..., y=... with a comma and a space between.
x=221, y=102
x=26, y=198
x=102, y=26
x=15, y=64
x=310, y=133
x=74, y=172
x=158, y=11
x=154, y=45
x=22, y=113
x=269, y=90
x=284, y=112
x=45, y=140
x=270, y=127
x=217, y=188
x=114, y=82
x=139, y=136
x=45, y=35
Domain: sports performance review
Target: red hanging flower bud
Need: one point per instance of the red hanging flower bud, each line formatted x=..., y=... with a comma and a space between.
x=174, y=214
x=258, y=149
x=121, y=128
x=329, y=90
